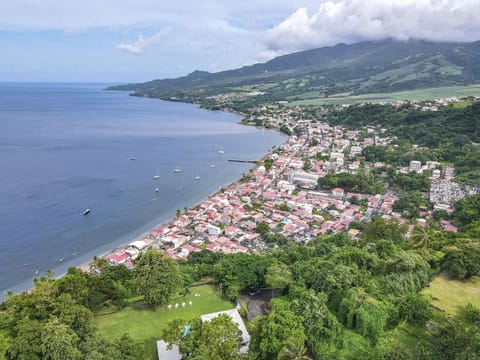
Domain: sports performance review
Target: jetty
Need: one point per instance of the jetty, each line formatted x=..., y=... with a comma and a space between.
x=244, y=161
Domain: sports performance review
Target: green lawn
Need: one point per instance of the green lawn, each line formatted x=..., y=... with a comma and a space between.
x=420, y=94
x=147, y=324
x=452, y=295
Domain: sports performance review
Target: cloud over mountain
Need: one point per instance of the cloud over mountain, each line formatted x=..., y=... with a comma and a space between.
x=355, y=20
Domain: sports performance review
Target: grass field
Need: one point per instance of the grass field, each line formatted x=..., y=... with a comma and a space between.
x=452, y=295
x=146, y=324
x=421, y=94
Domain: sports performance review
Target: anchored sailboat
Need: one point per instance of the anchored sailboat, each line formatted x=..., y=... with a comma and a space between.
x=86, y=211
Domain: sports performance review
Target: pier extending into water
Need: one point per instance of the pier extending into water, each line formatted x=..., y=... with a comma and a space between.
x=244, y=161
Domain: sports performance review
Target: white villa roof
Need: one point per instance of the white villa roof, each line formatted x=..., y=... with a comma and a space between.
x=164, y=354
x=173, y=354
x=139, y=244
x=237, y=319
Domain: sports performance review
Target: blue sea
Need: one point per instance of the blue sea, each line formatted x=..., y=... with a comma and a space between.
x=65, y=147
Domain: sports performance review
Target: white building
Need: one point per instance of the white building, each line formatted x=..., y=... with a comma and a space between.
x=237, y=319
x=355, y=150
x=164, y=354
x=336, y=155
x=449, y=172
x=213, y=230
x=303, y=177
x=444, y=191
x=415, y=165
x=173, y=354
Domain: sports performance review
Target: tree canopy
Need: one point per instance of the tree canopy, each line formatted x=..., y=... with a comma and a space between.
x=157, y=277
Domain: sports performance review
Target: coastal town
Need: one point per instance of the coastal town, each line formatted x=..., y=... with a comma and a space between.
x=225, y=180
x=280, y=197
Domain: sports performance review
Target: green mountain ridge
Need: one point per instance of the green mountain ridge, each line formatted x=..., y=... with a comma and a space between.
x=365, y=67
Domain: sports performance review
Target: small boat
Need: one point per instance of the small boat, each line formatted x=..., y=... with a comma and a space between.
x=157, y=189
x=221, y=152
x=133, y=158
x=86, y=211
x=196, y=178
x=177, y=169
x=156, y=176
x=37, y=272
x=212, y=165
x=61, y=259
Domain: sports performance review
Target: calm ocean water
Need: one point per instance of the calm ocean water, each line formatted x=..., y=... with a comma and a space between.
x=67, y=146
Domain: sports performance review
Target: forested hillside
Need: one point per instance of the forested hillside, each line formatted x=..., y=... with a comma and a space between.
x=366, y=67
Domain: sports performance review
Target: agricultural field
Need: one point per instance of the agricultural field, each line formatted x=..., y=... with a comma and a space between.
x=422, y=94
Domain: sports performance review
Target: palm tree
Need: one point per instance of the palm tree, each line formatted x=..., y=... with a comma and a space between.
x=49, y=274
x=422, y=237
x=293, y=349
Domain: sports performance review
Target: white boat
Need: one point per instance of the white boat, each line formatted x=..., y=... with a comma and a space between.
x=61, y=259
x=86, y=211
x=157, y=189
x=133, y=158
x=196, y=178
x=177, y=169
x=212, y=165
x=221, y=152
x=156, y=176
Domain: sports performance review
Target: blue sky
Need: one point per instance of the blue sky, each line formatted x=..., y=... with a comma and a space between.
x=138, y=40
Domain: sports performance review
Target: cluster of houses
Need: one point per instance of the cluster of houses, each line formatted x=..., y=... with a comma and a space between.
x=284, y=197
x=281, y=193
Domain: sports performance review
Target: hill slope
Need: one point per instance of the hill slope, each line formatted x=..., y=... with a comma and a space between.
x=373, y=66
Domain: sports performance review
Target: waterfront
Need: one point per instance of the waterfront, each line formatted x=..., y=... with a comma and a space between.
x=65, y=147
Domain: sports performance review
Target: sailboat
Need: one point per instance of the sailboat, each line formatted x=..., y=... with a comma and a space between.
x=177, y=169
x=156, y=176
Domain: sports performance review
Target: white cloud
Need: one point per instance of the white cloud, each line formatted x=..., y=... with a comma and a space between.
x=355, y=20
x=214, y=34
x=139, y=46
